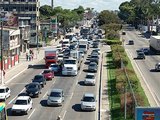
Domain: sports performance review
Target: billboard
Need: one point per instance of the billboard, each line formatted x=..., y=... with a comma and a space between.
x=11, y=20
x=147, y=113
x=54, y=24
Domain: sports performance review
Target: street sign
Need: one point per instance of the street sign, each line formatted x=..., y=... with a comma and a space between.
x=147, y=113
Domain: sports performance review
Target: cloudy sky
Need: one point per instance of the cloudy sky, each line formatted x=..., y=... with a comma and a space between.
x=98, y=5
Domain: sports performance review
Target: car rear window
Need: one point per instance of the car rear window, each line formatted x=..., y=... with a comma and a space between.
x=21, y=102
x=88, y=99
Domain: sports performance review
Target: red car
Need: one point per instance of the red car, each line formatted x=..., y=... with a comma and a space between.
x=48, y=74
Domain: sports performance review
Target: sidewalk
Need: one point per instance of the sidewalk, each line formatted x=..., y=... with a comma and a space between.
x=105, y=108
x=23, y=64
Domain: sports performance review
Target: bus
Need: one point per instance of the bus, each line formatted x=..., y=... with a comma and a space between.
x=3, y=113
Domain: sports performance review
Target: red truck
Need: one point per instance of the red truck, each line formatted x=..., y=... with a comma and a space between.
x=51, y=56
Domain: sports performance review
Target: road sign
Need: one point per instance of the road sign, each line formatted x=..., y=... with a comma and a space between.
x=147, y=113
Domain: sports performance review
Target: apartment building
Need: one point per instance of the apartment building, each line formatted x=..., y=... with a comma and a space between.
x=27, y=12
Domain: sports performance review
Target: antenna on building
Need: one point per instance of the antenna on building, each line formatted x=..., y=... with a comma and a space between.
x=52, y=3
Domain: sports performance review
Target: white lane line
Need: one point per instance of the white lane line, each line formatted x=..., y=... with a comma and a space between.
x=64, y=115
x=31, y=114
x=12, y=100
x=144, y=80
x=15, y=76
x=53, y=82
x=71, y=95
x=45, y=94
x=15, y=97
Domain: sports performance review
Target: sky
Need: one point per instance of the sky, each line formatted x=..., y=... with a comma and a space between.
x=98, y=5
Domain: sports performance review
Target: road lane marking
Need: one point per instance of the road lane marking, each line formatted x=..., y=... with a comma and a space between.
x=31, y=113
x=64, y=115
x=71, y=95
x=15, y=97
x=53, y=82
x=45, y=94
x=144, y=80
x=15, y=76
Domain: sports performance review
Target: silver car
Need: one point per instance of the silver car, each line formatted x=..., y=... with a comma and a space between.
x=56, y=97
x=90, y=79
x=88, y=102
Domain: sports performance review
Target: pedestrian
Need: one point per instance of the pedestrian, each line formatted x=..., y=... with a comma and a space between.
x=27, y=57
x=30, y=57
x=4, y=73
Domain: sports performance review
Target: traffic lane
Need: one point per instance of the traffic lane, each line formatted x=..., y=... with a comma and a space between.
x=18, y=84
x=147, y=68
x=65, y=83
x=74, y=110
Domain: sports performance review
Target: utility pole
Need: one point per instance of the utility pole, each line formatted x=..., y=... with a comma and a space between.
x=2, y=79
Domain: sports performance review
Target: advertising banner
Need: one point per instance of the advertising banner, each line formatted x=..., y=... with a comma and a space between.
x=54, y=24
x=147, y=113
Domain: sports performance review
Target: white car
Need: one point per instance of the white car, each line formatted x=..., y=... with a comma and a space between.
x=5, y=92
x=23, y=105
x=88, y=102
x=60, y=57
x=90, y=79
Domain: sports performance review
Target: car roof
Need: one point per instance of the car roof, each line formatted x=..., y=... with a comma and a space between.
x=23, y=98
x=90, y=73
x=34, y=83
x=56, y=90
x=89, y=95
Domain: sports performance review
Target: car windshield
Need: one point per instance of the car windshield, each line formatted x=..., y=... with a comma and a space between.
x=46, y=71
x=94, y=56
x=37, y=77
x=140, y=53
x=90, y=76
x=82, y=46
x=69, y=61
x=21, y=102
x=65, y=42
x=54, y=66
x=50, y=57
x=2, y=90
x=31, y=86
x=88, y=99
x=92, y=64
x=55, y=94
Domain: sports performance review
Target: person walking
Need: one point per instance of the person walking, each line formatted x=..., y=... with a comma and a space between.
x=27, y=56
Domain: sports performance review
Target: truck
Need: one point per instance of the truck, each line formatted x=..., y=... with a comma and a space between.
x=83, y=45
x=69, y=67
x=154, y=44
x=78, y=56
x=51, y=56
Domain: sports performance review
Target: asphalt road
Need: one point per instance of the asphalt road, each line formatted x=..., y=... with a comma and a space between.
x=144, y=68
x=73, y=90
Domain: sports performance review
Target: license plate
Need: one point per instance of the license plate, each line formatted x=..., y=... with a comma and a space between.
x=69, y=73
x=31, y=94
x=18, y=111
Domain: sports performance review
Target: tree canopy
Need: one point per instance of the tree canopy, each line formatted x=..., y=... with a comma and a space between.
x=66, y=17
x=139, y=11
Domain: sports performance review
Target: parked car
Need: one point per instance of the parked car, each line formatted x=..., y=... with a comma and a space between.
x=157, y=66
x=33, y=89
x=55, y=97
x=90, y=79
x=88, y=102
x=131, y=42
x=93, y=67
x=23, y=105
x=40, y=79
x=5, y=92
x=48, y=74
x=55, y=67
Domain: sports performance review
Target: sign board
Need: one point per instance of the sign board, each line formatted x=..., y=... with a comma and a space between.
x=54, y=24
x=147, y=113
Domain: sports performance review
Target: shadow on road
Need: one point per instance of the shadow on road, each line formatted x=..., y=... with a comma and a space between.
x=77, y=107
x=40, y=66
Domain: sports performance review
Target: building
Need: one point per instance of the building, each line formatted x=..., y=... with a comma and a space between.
x=27, y=12
x=11, y=46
